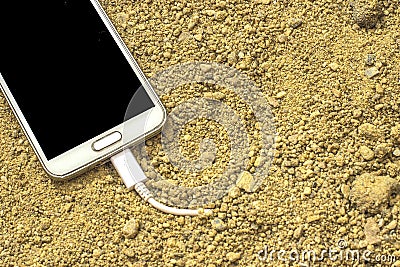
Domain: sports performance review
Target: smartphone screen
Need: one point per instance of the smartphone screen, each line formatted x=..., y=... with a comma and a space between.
x=65, y=71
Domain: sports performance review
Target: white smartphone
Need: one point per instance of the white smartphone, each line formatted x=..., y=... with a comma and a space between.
x=69, y=79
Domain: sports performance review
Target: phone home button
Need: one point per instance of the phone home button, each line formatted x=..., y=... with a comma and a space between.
x=106, y=141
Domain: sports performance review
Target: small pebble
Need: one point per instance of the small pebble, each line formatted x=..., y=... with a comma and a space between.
x=313, y=218
x=232, y=256
x=372, y=194
x=369, y=130
x=131, y=228
x=345, y=189
x=218, y=95
x=295, y=22
x=130, y=252
x=366, y=153
x=370, y=59
x=379, y=89
x=257, y=162
x=167, y=55
x=395, y=133
x=97, y=252
x=334, y=66
x=298, y=232
x=198, y=37
x=282, y=38
x=4, y=179
x=205, y=67
x=371, y=231
x=382, y=150
x=392, y=225
x=218, y=224
x=281, y=94
x=187, y=137
x=180, y=220
x=357, y=113
x=366, y=13
x=234, y=192
x=307, y=191
x=371, y=72
x=246, y=182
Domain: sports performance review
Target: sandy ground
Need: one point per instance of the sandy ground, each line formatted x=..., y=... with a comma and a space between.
x=334, y=88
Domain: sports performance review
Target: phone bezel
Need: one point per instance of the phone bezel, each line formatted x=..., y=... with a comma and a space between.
x=79, y=159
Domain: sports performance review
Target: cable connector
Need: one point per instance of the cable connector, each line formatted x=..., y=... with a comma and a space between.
x=128, y=168
x=133, y=177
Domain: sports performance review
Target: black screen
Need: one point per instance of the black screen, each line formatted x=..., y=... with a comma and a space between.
x=65, y=71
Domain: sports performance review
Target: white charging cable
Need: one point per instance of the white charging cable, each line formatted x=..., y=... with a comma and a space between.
x=133, y=177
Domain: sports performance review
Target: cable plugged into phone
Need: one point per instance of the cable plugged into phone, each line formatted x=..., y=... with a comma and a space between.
x=133, y=177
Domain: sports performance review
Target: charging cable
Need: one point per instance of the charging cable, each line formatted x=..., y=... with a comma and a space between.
x=133, y=177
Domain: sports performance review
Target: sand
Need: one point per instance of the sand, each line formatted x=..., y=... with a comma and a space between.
x=329, y=70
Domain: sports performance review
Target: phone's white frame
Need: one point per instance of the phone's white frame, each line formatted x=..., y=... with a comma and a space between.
x=83, y=157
